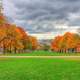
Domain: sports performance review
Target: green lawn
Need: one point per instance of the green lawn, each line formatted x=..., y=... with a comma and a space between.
x=39, y=69
x=43, y=53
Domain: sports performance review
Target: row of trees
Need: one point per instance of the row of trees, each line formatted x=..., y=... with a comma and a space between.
x=69, y=42
x=15, y=39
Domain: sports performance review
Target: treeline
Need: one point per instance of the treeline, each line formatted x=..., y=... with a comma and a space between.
x=14, y=39
x=69, y=42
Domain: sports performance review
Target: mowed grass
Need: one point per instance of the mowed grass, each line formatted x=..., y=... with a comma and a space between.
x=39, y=69
x=41, y=53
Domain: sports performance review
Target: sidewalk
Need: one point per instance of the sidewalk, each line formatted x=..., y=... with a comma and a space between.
x=40, y=57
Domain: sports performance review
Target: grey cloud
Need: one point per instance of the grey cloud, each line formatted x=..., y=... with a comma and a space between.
x=75, y=23
x=45, y=10
x=35, y=11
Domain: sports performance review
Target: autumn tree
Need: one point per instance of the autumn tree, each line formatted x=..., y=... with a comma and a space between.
x=33, y=42
x=55, y=44
x=24, y=39
x=66, y=43
x=15, y=39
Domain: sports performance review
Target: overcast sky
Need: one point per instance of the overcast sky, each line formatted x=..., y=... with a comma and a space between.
x=38, y=16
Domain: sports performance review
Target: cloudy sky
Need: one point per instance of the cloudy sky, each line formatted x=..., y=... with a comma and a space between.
x=43, y=16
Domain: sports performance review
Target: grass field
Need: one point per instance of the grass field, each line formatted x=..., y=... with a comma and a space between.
x=43, y=53
x=39, y=69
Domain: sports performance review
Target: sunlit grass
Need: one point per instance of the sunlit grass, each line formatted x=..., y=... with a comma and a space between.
x=39, y=69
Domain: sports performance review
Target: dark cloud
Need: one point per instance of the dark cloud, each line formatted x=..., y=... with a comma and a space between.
x=40, y=11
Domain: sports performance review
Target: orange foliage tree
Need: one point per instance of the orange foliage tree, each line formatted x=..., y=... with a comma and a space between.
x=66, y=43
x=33, y=42
x=13, y=38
